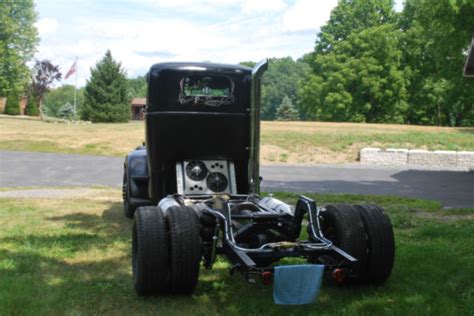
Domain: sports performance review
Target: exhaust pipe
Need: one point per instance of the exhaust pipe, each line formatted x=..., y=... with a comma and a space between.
x=255, y=96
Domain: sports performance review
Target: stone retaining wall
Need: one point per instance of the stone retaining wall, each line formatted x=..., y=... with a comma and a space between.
x=417, y=157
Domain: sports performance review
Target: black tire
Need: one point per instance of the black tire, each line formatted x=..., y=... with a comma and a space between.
x=185, y=248
x=342, y=225
x=128, y=209
x=380, y=244
x=150, y=251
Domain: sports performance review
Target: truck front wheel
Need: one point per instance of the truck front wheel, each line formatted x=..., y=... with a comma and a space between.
x=128, y=209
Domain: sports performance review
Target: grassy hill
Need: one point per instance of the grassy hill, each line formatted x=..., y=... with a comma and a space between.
x=282, y=142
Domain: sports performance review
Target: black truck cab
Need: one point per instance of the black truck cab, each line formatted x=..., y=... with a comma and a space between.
x=198, y=134
x=198, y=124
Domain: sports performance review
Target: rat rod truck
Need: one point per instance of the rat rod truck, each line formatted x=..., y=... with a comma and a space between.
x=194, y=192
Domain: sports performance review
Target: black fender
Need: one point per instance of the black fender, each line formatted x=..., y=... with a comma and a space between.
x=136, y=167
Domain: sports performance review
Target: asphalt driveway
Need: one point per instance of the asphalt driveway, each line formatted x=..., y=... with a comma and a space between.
x=452, y=188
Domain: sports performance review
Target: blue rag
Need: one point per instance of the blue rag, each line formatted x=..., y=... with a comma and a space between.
x=297, y=284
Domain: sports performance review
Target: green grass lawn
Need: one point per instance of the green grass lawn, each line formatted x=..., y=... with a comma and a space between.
x=72, y=256
x=281, y=142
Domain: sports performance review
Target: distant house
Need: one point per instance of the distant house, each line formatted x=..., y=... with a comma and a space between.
x=469, y=67
x=138, y=108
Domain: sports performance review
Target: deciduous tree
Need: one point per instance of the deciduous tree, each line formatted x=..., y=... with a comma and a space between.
x=437, y=35
x=18, y=41
x=57, y=97
x=352, y=16
x=361, y=79
x=44, y=75
x=282, y=79
x=137, y=87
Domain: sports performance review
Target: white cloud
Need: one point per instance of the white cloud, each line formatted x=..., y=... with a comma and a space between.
x=191, y=3
x=145, y=32
x=251, y=6
x=306, y=15
x=47, y=25
x=202, y=7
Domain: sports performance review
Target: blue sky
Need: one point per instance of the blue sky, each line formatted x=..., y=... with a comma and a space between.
x=143, y=32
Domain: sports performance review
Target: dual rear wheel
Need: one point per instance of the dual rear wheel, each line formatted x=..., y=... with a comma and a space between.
x=166, y=250
x=365, y=232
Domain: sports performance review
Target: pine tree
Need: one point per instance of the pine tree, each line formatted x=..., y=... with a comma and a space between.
x=31, y=107
x=66, y=111
x=286, y=111
x=12, y=106
x=106, y=93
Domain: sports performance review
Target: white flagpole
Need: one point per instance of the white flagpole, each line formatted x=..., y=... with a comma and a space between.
x=75, y=88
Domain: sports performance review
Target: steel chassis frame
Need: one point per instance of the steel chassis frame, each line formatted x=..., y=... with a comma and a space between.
x=223, y=240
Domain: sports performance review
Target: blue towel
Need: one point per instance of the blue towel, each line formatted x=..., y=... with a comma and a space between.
x=297, y=284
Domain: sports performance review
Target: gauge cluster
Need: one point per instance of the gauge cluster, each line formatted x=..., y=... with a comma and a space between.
x=205, y=177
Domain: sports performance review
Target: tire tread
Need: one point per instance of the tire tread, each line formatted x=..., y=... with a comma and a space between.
x=380, y=243
x=350, y=232
x=185, y=248
x=150, y=259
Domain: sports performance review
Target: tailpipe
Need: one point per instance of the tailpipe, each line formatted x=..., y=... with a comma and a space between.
x=255, y=96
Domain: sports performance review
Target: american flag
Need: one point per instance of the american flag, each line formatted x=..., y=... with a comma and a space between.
x=71, y=71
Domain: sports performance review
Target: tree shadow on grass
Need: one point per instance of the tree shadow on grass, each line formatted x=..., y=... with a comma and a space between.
x=83, y=266
x=40, y=284
x=111, y=221
x=77, y=265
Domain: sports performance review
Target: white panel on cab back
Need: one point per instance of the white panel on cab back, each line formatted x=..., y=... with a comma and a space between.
x=206, y=177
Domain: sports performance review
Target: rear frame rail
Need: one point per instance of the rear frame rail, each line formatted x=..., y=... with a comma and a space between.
x=243, y=257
